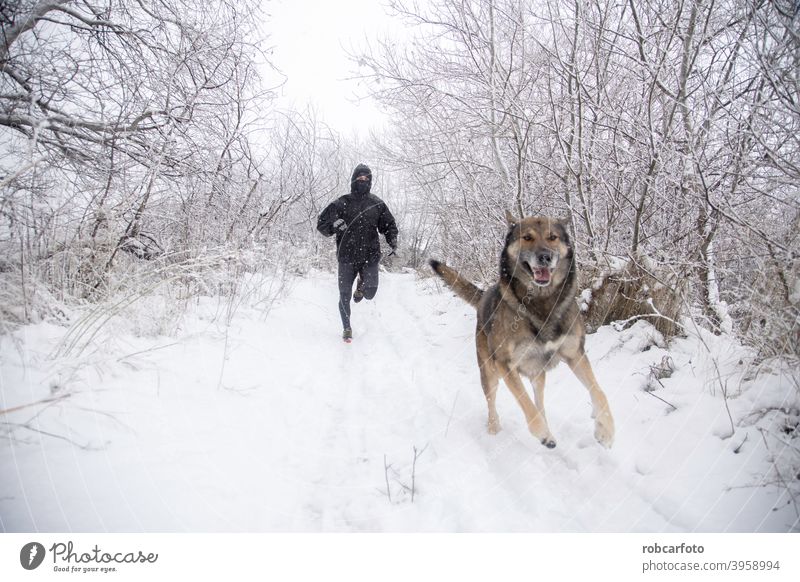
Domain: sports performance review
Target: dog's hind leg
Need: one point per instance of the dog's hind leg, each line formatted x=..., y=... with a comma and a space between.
x=603, y=421
x=489, y=382
x=533, y=415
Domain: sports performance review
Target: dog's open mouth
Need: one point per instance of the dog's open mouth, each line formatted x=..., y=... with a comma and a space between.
x=542, y=276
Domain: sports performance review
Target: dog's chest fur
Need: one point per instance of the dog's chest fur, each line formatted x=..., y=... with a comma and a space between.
x=524, y=346
x=530, y=356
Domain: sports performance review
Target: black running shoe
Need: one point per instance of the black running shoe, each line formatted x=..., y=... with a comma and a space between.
x=358, y=294
x=347, y=335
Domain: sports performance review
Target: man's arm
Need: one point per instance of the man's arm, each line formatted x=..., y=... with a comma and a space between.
x=387, y=226
x=326, y=223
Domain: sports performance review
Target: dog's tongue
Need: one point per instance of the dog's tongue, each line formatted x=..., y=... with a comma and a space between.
x=541, y=275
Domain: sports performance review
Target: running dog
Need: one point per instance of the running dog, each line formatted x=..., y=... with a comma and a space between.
x=529, y=321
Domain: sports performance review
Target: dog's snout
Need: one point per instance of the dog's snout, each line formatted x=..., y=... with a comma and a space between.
x=544, y=258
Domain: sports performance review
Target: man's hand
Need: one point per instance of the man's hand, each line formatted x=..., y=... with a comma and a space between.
x=340, y=224
x=394, y=253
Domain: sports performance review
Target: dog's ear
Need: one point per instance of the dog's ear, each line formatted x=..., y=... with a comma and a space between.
x=511, y=220
x=565, y=220
x=565, y=224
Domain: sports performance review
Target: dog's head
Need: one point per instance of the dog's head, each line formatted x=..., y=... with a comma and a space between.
x=537, y=251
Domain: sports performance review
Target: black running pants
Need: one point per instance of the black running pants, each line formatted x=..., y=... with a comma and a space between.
x=347, y=275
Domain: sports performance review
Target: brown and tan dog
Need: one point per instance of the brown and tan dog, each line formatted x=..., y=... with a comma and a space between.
x=529, y=321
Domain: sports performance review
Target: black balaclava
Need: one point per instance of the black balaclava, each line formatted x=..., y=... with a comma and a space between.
x=361, y=188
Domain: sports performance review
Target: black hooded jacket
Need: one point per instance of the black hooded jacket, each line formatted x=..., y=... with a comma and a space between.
x=365, y=215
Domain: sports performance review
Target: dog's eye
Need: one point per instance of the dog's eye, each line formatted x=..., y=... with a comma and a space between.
x=527, y=237
x=552, y=237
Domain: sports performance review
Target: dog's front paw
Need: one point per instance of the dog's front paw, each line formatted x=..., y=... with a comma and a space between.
x=494, y=426
x=541, y=431
x=604, y=430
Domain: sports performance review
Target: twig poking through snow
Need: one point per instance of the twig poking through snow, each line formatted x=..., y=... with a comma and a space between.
x=661, y=399
x=417, y=455
x=738, y=449
x=86, y=447
x=781, y=479
x=452, y=411
x=37, y=403
x=386, y=468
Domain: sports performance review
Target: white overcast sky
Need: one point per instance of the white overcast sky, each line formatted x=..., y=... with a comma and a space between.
x=311, y=39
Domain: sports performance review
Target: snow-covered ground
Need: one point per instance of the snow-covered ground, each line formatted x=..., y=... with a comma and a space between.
x=273, y=424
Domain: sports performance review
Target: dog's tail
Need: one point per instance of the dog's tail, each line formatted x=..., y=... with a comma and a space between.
x=463, y=288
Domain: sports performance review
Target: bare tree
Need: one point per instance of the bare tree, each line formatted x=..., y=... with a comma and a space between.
x=666, y=132
x=110, y=111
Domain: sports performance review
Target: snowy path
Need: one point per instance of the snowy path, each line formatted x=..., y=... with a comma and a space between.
x=289, y=429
